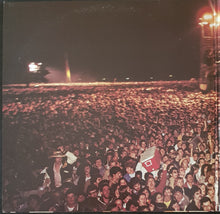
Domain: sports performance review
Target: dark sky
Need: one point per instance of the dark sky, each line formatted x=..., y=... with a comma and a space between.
x=138, y=39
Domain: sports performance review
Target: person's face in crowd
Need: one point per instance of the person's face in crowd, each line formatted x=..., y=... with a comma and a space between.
x=109, y=157
x=98, y=163
x=167, y=193
x=180, y=153
x=124, y=154
x=176, y=207
x=71, y=200
x=185, y=163
x=58, y=160
x=178, y=195
x=81, y=198
x=174, y=173
x=115, y=158
x=142, y=200
x=133, y=208
x=211, y=192
x=159, y=198
x=195, y=156
x=106, y=192
x=183, y=146
x=143, y=145
x=207, y=156
x=203, y=189
x=189, y=178
x=81, y=145
x=119, y=204
x=206, y=206
x=87, y=170
x=165, y=158
x=211, y=179
x=93, y=193
x=117, y=176
x=122, y=182
x=129, y=170
x=151, y=183
x=162, y=152
x=127, y=199
x=76, y=153
x=197, y=196
x=201, y=162
x=146, y=193
x=180, y=182
x=169, y=143
x=137, y=187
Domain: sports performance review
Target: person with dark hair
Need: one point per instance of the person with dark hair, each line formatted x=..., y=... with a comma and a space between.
x=115, y=173
x=99, y=165
x=174, y=206
x=182, y=200
x=60, y=168
x=132, y=206
x=130, y=170
x=105, y=199
x=173, y=176
x=189, y=184
x=138, y=174
x=157, y=200
x=135, y=186
x=206, y=204
x=71, y=202
x=195, y=204
x=167, y=195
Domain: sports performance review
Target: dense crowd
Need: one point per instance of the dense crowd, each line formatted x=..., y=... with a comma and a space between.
x=79, y=150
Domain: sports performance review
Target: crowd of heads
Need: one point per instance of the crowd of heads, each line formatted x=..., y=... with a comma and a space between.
x=107, y=129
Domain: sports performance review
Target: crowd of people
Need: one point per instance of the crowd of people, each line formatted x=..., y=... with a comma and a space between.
x=70, y=150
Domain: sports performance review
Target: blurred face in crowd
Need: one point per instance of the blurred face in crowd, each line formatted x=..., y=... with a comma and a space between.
x=181, y=172
x=159, y=198
x=98, y=163
x=137, y=187
x=106, y=192
x=117, y=176
x=123, y=182
x=167, y=193
x=129, y=170
x=58, y=160
x=174, y=173
x=203, y=189
x=189, y=178
x=211, y=191
x=93, y=193
x=195, y=156
x=206, y=206
x=119, y=204
x=197, y=196
x=178, y=196
x=176, y=207
x=133, y=208
x=142, y=200
x=151, y=183
x=87, y=170
x=211, y=179
x=71, y=199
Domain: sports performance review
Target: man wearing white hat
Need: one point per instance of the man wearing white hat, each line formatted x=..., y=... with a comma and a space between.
x=60, y=169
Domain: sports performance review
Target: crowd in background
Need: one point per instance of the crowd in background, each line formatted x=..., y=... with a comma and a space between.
x=79, y=150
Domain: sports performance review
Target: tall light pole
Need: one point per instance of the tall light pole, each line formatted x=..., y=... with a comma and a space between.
x=209, y=54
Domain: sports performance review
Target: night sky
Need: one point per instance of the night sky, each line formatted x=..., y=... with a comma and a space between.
x=138, y=39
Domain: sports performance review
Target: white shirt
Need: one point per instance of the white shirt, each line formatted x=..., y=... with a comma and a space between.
x=57, y=176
